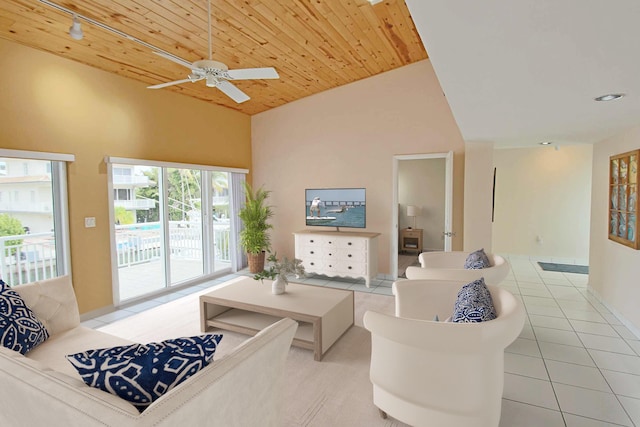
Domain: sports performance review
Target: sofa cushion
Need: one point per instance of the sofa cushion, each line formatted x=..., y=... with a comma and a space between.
x=53, y=301
x=20, y=329
x=477, y=260
x=474, y=303
x=142, y=373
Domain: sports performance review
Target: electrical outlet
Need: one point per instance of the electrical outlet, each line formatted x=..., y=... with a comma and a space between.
x=89, y=222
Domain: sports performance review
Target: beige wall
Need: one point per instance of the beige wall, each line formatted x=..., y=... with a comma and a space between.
x=346, y=137
x=478, y=196
x=56, y=105
x=543, y=192
x=422, y=183
x=613, y=268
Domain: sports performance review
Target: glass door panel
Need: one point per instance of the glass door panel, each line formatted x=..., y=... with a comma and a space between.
x=184, y=201
x=221, y=221
x=139, y=232
x=27, y=230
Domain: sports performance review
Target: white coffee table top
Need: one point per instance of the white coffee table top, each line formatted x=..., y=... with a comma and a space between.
x=298, y=298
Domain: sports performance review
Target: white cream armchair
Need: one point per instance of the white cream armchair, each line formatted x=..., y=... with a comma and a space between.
x=450, y=266
x=430, y=373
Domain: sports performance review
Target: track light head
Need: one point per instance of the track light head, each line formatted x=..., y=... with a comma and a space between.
x=75, y=30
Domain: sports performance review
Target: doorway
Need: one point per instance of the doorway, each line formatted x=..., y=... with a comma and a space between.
x=422, y=207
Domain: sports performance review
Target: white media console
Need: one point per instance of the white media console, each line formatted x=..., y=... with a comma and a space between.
x=338, y=253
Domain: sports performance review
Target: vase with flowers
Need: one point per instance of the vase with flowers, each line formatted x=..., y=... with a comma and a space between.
x=278, y=270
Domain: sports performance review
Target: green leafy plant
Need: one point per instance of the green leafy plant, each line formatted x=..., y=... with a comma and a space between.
x=281, y=268
x=255, y=213
x=10, y=226
x=124, y=216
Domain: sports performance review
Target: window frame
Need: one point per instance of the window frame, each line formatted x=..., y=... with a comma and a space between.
x=60, y=196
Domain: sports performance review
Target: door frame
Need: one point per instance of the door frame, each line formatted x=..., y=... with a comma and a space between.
x=448, y=203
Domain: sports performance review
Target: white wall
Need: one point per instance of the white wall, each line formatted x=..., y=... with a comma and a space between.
x=614, y=269
x=422, y=183
x=478, y=195
x=347, y=137
x=546, y=193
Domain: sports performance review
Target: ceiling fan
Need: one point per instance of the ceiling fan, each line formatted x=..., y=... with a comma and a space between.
x=216, y=74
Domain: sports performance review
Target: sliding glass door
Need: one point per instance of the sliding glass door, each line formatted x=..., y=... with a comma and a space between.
x=172, y=226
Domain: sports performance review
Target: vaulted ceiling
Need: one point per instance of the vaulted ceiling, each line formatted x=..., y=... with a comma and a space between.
x=314, y=45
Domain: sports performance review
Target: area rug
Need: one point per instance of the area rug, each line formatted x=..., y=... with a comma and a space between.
x=333, y=392
x=564, y=268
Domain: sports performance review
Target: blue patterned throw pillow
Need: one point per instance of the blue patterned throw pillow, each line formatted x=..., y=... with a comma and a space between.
x=20, y=329
x=141, y=373
x=477, y=260
x=474, y=303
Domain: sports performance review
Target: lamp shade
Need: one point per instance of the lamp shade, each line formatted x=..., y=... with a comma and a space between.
x=412, y=210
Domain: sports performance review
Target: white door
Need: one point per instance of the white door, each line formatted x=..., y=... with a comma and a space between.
x=442, y=231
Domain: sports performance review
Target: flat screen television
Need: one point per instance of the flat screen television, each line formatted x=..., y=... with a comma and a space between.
x=336, y=207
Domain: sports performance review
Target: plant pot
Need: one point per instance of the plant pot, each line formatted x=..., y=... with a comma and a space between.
x=256, y=262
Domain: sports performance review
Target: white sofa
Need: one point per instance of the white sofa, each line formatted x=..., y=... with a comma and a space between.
x=450, y=266
x=243, y=388
x=430, y=373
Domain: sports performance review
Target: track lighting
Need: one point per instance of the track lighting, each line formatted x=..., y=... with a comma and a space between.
x=75, y=30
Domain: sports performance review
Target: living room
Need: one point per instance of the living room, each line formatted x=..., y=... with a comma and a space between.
x=343, y=137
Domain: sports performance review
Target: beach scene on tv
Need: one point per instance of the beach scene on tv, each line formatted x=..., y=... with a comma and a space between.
x=336, y=207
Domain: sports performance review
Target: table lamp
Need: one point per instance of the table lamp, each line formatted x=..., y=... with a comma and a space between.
x=412, y=211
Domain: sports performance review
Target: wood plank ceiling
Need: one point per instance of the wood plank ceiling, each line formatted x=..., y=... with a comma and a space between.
x=315, y=45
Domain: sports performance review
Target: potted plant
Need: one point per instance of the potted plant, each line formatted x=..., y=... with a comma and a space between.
x=278, y=270
x=254, y=237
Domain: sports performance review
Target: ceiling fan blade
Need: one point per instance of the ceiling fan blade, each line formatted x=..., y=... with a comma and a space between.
x=177, y=82
x=254, y=73
x=172, y=58
x=232, y=92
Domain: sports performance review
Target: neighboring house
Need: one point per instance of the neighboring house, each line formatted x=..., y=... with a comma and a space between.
x=25, y=193
x=125, y=182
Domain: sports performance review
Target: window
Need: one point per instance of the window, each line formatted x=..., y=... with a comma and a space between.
x=122, y=194
x=34, y=243
x=172, y=225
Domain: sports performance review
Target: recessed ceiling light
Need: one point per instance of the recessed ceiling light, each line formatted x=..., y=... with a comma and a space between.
x=374, y=2
x=545, y=143
x=609, y=97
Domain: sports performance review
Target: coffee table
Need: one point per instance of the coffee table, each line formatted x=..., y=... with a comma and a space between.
x=247, y=306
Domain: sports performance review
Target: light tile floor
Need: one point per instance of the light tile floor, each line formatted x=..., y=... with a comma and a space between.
x=574, y=365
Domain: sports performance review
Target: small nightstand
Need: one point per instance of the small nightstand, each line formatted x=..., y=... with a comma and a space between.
x=411, y=239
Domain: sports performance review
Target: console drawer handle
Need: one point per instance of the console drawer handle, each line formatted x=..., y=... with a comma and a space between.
x=312, y=263
x=349, y=243
x=311, y=252
x=349, y=255
x=349, y=267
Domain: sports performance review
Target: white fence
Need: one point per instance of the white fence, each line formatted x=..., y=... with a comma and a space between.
x=27, y=258
x=30, y=257
x=140, y=243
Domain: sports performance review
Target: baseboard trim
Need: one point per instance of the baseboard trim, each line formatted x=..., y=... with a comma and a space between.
x=634, y=330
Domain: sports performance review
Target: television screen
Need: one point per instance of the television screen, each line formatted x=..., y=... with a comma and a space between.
x=336, y=207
